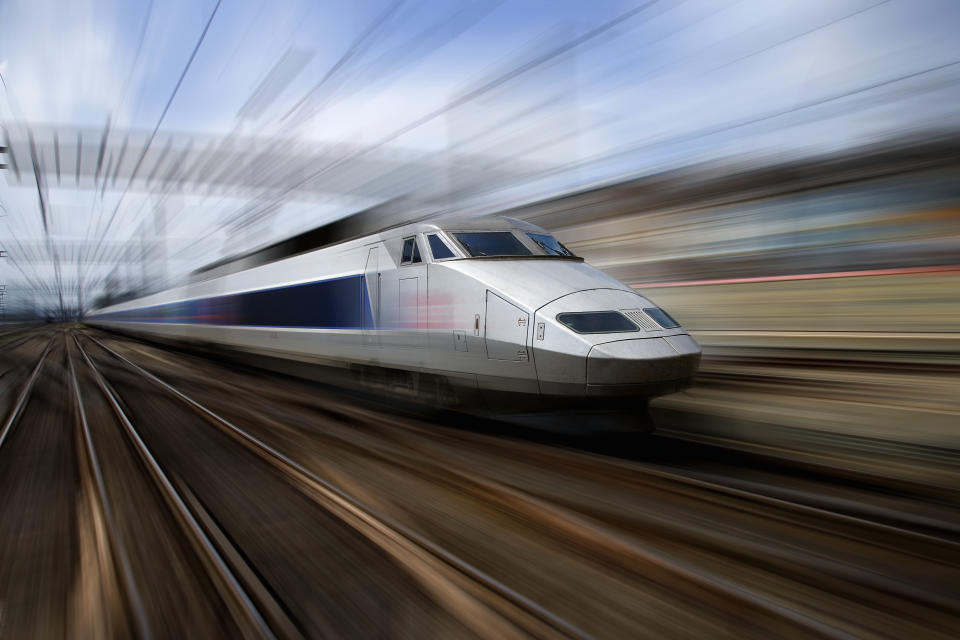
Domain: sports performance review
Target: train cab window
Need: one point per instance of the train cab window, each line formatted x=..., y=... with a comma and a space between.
x=439, y=248
x=480, y=244
x=411, y=252
x=550, y=244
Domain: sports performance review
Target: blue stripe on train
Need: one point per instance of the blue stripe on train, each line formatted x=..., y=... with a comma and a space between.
x=338, y=303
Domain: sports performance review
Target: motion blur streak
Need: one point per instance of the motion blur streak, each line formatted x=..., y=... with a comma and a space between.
x=823, y=290
x=420, y=319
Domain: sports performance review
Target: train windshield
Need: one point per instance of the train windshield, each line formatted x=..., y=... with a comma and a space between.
x=480, y=244
x=550, y=244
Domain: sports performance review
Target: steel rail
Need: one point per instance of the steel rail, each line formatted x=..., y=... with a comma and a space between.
x=569, y=517
x=250, y=621
x=665, y=473
x=793, y=501
x=659, y=472
x=13, y=343
x=817, y=506
x=24, y=395
x=575, y=523
x=338, y=495
x=11, y=333
x=786, y=500
x=689, y=573
x=814, y=506
x=117, y=548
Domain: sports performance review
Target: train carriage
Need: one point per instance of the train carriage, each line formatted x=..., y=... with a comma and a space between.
x=492, y=313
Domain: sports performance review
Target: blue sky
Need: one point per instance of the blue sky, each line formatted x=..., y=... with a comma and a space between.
x=674, y=84
x=70, y=61
x=675, y=66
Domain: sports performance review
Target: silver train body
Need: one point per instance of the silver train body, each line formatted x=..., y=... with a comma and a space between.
x=458, y=310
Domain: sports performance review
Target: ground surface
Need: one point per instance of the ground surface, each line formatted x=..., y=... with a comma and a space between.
x=213, y=500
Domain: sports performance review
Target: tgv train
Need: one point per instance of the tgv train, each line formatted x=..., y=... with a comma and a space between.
x=491, y=313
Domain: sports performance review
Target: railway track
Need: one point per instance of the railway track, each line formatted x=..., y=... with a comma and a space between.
x=612, y=535
x=223, y=562
x=24, y=395
x=39, y=552
x=214, y=501
x=114, y=562
x=913, y=529
x=860, y=461
x=248, y=620
x=404, y=544
x=903, y=525
x=6, y=335
x=598, y=529
x=912, y=526
x=17, y=341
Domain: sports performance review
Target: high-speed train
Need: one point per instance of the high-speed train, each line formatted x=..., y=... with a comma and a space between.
x=486, y=312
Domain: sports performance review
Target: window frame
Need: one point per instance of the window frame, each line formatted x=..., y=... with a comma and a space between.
x=536, y=251
x=530, y=234
x=525, y=242
x=446, y=243
x=416, y=251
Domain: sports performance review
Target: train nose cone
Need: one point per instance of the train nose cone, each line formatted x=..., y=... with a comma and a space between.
x=640, y=363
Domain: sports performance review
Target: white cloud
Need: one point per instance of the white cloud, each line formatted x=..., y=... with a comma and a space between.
x=62, y=61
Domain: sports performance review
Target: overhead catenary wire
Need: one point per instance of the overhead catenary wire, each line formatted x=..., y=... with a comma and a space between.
x=163, y=114
x=484, y=88
x=725, y=127
x=802, y=34
x=360, y=44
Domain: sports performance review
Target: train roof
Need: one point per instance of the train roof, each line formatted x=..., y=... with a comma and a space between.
x=491, y=222
x=353, y=226
x=358, y=225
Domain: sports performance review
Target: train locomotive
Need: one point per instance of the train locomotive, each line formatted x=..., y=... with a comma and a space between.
x=490, y=314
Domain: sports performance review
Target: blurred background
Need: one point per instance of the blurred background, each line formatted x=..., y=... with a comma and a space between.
x=783, y=177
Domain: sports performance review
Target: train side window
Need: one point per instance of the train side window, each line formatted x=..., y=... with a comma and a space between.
x=438, y=247
x=411, y=252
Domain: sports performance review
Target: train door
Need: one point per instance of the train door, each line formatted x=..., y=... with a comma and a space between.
x=507, y=330
x=371, y=298
x=412, y=293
